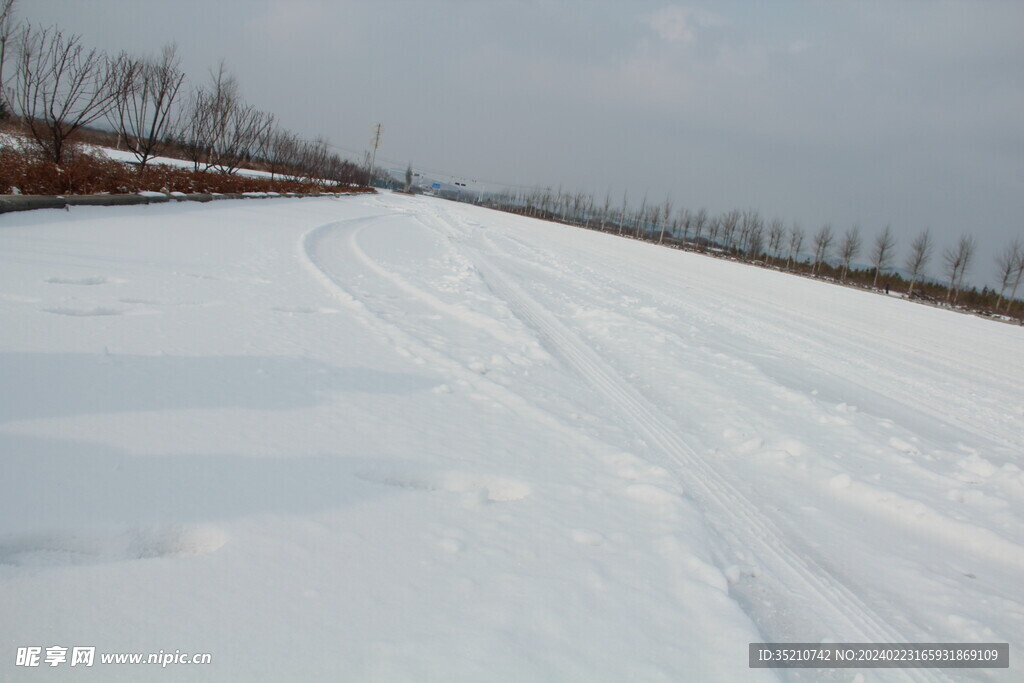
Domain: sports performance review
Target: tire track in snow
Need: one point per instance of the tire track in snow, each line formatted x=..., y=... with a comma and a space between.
x=730, y=513
x=904, y=387
x=838, y=612
x=404, y=343
x=460, y=313
x=308, y=257
x=863, y=499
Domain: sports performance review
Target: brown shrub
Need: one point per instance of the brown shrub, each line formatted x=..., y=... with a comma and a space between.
x=86, y=172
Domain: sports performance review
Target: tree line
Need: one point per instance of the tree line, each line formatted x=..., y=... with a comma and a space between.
x=57, y=87
x=825, y=253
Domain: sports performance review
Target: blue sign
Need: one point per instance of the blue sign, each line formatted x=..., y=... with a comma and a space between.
x=436, y=186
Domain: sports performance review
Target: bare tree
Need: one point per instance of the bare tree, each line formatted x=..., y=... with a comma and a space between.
x=729, y=223
x=957, y=260
x=625, y=207
x=684, y=220
x=1008, y=263
x=579, y=208
x=776, y=231
x=314, y=159
x=220, y=128
x=676, y=225
x=654, y=218
x=606, y=208
x=796, y=241
x=822, y=242
x=750, y=223
x=124, y=71
x=6, y=31
x=640, y=217
x=408, y=178
x=341, y=171
x=1017, y=274
x=917, y=260
x=755, y=241
x=59, y=87
x=666, y=211
x=195, y=128
x=700, y=221
x=144, y=96
x=882, y=252
x=848, y=249
x=246, y=126
x=277, y=148
x=564, y=201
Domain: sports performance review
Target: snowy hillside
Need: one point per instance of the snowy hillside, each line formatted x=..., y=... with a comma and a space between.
x=400, y=439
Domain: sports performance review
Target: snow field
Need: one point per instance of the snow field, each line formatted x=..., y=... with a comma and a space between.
x=394, y=438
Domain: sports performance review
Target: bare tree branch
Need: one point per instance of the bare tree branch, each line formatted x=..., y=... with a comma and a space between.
x=957, y=260
x=848, y=249
x=917, y=260
x=1007, y=264
x=882, y=252
x=822, y=242
x=1018, y=272
x=776, y=232
x=145, y=94
x=700, y=221
x=796, y=241
x=194, y=128
x=6, y=31
x=59, y=87
x=728, y=226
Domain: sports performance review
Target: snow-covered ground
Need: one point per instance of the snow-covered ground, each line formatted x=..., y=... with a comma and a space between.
x=399, y=439
x=128, y=157
x=125, y=156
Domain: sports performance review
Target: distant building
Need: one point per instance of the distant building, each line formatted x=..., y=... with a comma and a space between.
x=450, y=187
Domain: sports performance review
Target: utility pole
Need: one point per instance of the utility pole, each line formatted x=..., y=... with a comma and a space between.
x=377, y=130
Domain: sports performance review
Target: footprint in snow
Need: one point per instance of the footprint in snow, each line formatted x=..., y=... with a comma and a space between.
x=650, y=494
x=89, y=281
x=301, y=310
x=490, y=488
x=86, y=548
x=233, y=279
x=584, y=537
x=84, y=313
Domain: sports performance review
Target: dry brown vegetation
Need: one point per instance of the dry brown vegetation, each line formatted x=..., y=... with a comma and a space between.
x=89, y=172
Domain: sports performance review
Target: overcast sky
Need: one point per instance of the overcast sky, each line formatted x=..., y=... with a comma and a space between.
x=909, y=113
